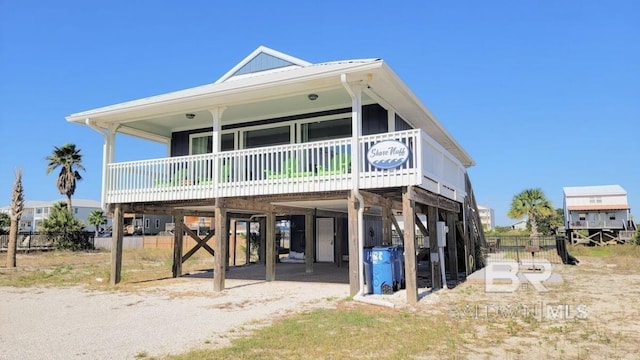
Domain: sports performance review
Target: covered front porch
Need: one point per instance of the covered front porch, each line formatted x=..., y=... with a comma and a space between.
x=288, y=169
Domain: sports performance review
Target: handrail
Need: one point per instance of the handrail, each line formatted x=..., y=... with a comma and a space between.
x=291, y=168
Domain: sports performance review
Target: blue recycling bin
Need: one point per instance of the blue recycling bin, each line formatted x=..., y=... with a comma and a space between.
x=368, y=271
x=398, y=273
x=382, y=263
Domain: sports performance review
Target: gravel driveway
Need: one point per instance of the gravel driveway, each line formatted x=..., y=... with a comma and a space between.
x=183, y=313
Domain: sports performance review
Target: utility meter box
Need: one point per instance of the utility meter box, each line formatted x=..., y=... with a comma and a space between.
x=442, y=230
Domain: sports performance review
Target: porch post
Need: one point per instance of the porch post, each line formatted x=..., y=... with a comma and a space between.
x=116, y=245
x=178, y=237
x=221, y=252
x=227, y=239
x=391, y=120
x=216, y=113
x=354, y=253
x=271, y=247
x=452, y=248
x=247, y=242
x=432, y=219
x=410, y=264
x=309, y=253
x=386, y=225
x=232, y=242
x=263, y=240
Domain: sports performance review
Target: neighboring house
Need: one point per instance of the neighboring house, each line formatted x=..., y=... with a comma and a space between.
x=325, y=143
x=143, y=224
x=487, y=218
x=520, y=225
x=598, y=214
x=35, y=211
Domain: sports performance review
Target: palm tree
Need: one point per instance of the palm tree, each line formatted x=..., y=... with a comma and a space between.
x=69, y=159
x=533, y=204
x=61, y=227
x=15, y=212
x=97, y=218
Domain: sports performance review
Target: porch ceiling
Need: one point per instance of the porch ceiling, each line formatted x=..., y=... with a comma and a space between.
x=328, y=99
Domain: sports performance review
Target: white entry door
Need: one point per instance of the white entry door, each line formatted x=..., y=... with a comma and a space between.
x=324, y=234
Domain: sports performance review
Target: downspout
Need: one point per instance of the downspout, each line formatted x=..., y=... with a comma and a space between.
x=105, y=160
x=356, y=125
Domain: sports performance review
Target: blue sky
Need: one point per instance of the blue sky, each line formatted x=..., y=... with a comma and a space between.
x=541, y=93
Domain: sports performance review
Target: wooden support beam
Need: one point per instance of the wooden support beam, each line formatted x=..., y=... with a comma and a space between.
x=220, y=246
x=467, y=246
x=452, y=247
x=428, y=198
x=227, y=240
x=410, y=261
x=247, y=247
x=177, y=244
x=309, y=253
x=423, y=229
x=232, y=242
x=354, y=254
x=399, y=230
x=436, y=276
x=339, y=240
x=308, y=196
x=199, y=243
x=386, y=225
x=244, y=204
x=263, y=240
x=271, y=247
x=116, y=245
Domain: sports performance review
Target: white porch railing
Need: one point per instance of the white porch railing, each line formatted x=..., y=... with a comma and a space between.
x=295, y=168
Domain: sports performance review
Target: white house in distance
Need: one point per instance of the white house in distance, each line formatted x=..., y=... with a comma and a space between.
x=331, y=144
x=601, y=212
x=487, y=218
x=35, y=211
x=520, y=225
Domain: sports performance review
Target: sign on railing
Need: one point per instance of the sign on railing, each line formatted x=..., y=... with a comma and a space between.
x=386, y=160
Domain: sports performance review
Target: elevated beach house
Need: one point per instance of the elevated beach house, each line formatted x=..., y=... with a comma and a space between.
x=598, y=214
x=341, y=148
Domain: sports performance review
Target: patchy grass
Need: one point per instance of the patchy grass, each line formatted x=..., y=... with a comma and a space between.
x=352, y=329
x=624, y=257
x=91, y=269
x=607, y=280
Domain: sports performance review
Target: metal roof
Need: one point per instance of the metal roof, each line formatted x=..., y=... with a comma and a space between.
x=598, y=190
x=268, y=92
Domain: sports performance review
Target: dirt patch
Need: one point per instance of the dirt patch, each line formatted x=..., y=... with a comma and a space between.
x=591, y=314
x=171, y=316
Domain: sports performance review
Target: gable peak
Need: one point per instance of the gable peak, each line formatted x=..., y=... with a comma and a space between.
x=260, y=60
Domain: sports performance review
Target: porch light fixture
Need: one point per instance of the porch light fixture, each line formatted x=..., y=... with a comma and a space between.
x=312, y=97
x=190, y=115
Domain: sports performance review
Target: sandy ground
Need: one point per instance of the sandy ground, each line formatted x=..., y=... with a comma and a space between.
x=74, y=323
x=590, y=311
